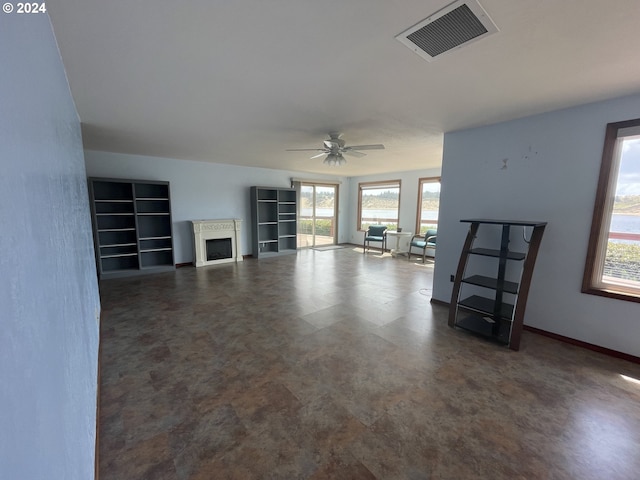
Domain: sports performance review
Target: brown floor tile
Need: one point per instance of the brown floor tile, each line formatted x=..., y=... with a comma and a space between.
x=335, y=365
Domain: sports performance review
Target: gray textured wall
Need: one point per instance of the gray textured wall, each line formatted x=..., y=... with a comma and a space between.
x=48, y=289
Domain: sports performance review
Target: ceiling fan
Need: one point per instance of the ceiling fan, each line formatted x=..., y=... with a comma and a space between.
x=335, y=147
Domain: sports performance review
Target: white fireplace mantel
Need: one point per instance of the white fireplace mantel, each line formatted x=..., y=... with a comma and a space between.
x=204, y=230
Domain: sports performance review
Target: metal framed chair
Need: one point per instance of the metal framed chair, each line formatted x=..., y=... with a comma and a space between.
x=375, y=233
x=428, y=240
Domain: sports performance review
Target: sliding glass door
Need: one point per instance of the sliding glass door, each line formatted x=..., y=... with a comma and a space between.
x=317, y=222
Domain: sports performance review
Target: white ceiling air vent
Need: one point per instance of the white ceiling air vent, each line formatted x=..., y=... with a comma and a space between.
x=459, y=23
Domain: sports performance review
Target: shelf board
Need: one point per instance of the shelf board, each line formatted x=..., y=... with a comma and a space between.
x=97, y=200
x=287, y=236
x=155, y=238
x=480, y=326
x=117, y=272
x=267, y=201
x=267, y=223
x=490, y=252
x=111, y=245
x=153, y=213
x=492, y=283
x=519, y=223
x=120, y=214
x=268, y=253
x=486, y=305
x=152, y=198
x=268, y=241
x=117, y=229
x=116, y=255
x=287, y=221
x=164, y=249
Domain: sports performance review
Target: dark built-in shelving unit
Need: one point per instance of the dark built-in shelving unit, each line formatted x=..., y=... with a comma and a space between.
x=495, y=307
x=273, y=221
x=132, y=227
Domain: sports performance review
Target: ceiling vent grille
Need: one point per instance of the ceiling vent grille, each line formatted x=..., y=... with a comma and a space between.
x=458, y=24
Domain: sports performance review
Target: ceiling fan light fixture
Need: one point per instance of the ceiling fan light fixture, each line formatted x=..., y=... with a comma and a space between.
x=333, y=160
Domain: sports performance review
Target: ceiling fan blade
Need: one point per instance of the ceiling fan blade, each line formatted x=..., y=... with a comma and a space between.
x=304, y=150
x=319, y=155
x=378, y=146
x=331, y=144
x=353, y=153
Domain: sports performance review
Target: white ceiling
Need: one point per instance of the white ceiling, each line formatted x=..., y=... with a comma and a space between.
x=240, y=81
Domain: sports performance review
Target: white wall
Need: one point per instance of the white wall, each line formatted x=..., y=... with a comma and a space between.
x=408, y=199
x=48, y=289
x=553, y=163
x=201, y=190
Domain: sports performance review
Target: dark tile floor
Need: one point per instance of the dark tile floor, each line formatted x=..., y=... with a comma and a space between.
x=332, y=364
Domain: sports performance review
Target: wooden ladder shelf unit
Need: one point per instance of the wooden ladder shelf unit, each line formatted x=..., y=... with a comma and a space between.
x=495, y=318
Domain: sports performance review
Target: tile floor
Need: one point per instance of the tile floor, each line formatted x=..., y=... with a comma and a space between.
x=333, y=364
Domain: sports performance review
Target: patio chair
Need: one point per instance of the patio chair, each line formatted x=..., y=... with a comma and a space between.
x=428, y=240
x=375, y=233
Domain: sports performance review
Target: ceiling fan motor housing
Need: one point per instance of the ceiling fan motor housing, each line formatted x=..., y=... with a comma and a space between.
x=334, y=142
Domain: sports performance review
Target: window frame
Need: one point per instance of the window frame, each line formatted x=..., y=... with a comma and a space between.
x=373, y=185
x=602, y=211
x=421, y=181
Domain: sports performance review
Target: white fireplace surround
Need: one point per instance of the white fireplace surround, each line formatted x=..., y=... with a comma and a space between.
x=204, y=230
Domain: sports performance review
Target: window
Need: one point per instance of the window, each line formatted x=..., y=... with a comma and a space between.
x=613, y=257
x=428, y=204
x=379, y=204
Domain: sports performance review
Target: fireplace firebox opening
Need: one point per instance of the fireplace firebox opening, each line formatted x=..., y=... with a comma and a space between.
x=219, y=248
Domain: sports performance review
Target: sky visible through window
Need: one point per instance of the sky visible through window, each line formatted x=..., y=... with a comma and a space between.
x=629, y=173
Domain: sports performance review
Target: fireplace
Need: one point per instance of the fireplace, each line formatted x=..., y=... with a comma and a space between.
x=216, y=241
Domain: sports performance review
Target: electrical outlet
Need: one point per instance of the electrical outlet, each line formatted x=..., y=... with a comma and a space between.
x=451, y=278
